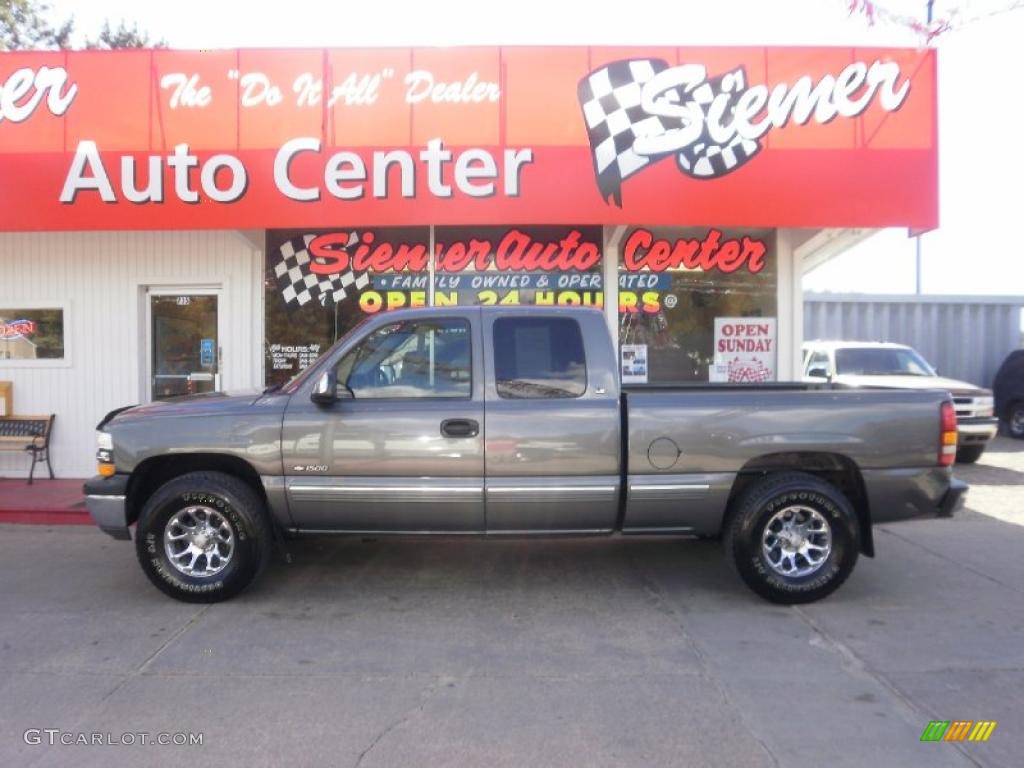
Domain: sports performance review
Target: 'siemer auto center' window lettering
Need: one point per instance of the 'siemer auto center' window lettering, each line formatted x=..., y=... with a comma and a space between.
x=415, y=358
x=320, y=283
x=539, y=357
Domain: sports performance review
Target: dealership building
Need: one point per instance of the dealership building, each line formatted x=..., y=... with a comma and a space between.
x=179, y=222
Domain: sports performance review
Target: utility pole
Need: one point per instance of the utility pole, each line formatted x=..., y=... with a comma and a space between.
x=917, y=240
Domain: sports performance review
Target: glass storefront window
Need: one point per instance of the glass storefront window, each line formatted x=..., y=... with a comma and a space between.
x=686, y=295
x=321, y=283
x=31, y=334
x=674, y=283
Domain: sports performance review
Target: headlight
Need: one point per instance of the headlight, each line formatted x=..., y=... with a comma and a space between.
x=984, y=406
x=105, y=454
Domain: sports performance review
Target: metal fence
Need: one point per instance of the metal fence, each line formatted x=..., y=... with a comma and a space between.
x=964, y=337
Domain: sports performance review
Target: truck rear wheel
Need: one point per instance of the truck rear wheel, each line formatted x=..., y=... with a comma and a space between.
x=203, y=537
x=792, y=537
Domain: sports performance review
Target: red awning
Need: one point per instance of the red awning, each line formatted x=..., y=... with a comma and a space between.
x=793, y=137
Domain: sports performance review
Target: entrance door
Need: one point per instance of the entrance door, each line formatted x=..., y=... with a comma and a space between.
x=184, y=343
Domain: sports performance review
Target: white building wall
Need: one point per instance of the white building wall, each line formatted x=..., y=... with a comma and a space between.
x=100, y=278
x=790, y=322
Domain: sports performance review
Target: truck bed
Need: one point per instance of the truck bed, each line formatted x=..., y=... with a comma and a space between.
x=685, y=445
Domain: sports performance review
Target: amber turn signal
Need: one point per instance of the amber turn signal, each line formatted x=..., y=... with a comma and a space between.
x=105, y=470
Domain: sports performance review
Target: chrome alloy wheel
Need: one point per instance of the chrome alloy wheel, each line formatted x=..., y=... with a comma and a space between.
x=796, y=541
x=199, y=541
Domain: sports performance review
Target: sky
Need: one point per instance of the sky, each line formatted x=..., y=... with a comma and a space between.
x=981, y=158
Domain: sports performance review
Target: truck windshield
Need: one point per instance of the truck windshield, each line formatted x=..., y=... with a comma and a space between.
x=881, y=361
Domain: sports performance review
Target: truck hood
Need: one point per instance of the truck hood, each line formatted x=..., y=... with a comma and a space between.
x=209, y=403
x=911, y=382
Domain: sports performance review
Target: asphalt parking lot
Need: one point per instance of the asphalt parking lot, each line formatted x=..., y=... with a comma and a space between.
x=515, y=653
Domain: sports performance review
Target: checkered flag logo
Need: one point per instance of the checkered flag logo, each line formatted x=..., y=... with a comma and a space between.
x=299, y=285
x=748, y=371
x=611, y=99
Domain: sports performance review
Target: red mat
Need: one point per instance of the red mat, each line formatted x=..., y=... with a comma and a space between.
x=45, y=502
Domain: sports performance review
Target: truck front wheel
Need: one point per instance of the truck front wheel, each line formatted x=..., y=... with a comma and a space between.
x=203, y=537
x=1015, y=420
x=792, y=537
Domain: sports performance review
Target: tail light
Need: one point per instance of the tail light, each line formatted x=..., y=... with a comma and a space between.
x=947, y=434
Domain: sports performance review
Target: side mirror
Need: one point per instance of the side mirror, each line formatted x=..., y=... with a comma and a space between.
x=818, y=373
x=327, y=390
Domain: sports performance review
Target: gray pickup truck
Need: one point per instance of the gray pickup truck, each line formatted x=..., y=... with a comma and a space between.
x=512, y=422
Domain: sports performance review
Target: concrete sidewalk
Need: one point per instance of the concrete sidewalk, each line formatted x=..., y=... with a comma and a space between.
x=997, y=480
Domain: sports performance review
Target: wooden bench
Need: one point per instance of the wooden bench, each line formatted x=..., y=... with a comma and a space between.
x=28, y=433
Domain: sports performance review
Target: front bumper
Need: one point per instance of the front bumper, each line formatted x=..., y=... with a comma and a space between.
x=976, y=431
x=106, y=499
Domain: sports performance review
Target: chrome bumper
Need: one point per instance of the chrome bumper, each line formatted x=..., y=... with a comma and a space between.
x=974, y=432
x=106, y=500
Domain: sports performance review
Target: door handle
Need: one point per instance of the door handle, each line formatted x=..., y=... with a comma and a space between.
x=460, y=428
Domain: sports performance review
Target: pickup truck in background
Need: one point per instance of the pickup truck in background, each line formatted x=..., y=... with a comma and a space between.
x=883, y=364
x=1008, y=388
x=504, y=421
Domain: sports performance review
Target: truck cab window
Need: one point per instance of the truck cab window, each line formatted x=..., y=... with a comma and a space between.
x=539, y=357
x=414, y=358
x=817, y=362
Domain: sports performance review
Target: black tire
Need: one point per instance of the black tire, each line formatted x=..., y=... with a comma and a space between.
x=969, y=454
x=230, y=500
x=757, y=506
x=1015, y=420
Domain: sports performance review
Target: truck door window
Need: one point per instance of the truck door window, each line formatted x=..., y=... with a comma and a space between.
x=818, y=360
x=413, y=358
x=539, y=357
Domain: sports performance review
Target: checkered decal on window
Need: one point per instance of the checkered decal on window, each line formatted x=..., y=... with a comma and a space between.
x=749, y=371
x=299, y=285
x=615, y=118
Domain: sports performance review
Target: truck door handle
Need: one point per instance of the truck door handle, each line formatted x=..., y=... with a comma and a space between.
x=460, y=428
